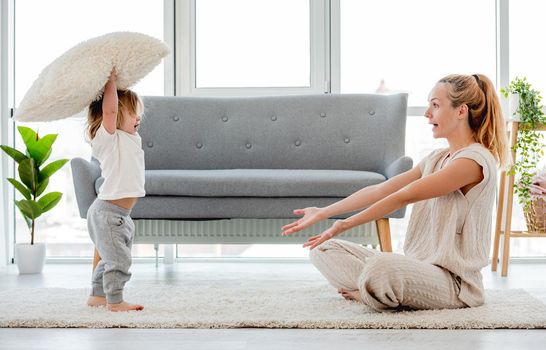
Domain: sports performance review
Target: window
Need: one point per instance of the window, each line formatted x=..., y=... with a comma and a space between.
x=252, y=43
x=527, y=32
x=256, y=47
x=251, y=47
x=406, y=46
x=43, y=31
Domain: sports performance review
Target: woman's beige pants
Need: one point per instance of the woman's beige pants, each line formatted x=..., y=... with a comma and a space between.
x=386, y=281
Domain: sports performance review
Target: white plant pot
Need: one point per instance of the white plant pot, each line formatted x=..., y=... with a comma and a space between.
x=30, y=258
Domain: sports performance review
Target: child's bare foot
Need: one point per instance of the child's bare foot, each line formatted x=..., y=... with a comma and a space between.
x=96, y=301
x=351, y=295
x=124, y=306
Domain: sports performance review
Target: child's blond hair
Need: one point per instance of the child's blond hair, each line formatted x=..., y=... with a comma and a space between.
x=128, y=101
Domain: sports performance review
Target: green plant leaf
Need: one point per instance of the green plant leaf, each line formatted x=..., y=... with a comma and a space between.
x=29, y=208
x=46, y=157
x=28, y=173
x=13, y=153
x=28, y=135
x=41, y=187
x=37, y=148
x=43, y=147
x=27, y=220
x=529, y=143
x=21, y=188
x=51, y=168
x=48, y=201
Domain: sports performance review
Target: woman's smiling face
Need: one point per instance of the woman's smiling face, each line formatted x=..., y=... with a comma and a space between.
x=443, y=117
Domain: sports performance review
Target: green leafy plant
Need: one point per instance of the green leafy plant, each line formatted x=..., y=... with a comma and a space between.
x=34, y=175
x=529, y=145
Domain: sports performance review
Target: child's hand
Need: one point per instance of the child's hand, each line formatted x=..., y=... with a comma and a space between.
x=113, y=75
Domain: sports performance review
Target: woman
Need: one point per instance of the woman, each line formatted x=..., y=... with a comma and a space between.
x=449, y=233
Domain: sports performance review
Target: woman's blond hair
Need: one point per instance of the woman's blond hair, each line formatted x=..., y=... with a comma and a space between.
x=484, y=112
x=128, y=101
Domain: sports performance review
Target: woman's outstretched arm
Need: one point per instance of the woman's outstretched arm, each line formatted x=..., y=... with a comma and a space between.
x=371, y=194
x=461, y=172
x=358, y=200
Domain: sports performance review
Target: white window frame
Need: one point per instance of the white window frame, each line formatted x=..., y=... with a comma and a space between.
x=502, y=21
x=169, y=38
x=7, y=224
x=185, y=56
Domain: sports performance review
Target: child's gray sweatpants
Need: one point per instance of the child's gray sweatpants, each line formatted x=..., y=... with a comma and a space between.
x=112, y=230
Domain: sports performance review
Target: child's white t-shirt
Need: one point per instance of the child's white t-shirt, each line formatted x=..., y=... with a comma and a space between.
x=122, y=164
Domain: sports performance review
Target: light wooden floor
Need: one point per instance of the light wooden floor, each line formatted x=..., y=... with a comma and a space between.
x=528, y=276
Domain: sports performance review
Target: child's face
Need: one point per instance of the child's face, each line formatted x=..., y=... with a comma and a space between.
x=130, y=123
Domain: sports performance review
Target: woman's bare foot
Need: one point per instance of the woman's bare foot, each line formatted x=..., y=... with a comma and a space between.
x=96, y=301
x=124, y=306
x=351, y=295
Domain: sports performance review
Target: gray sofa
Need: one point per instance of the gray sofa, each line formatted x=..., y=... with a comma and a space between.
x=254, y=159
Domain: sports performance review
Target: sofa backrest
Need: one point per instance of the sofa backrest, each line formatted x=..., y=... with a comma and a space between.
x=329, y=131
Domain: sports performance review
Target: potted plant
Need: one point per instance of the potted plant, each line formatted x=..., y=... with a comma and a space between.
x=34, y=178
x=529, y=145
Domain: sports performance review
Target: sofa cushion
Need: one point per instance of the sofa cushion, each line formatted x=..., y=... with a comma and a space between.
x=204, y=208
x=257, y=182
x=327, y=131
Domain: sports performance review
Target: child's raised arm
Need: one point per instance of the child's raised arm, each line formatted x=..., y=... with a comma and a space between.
x=110, y=104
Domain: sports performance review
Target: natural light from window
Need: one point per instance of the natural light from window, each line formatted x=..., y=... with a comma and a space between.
x=252, y=43
x=406, y=46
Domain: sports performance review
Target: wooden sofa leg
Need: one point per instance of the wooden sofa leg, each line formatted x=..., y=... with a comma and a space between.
x=96, y=259
x=384, y=233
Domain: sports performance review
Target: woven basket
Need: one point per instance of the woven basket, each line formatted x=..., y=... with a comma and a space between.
x=536, y=216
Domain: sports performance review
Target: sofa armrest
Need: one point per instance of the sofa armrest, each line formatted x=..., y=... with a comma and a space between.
x=84, y=175
x=399, y=166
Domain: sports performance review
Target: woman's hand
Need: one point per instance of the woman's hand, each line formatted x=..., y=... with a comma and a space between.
x=337, y=228
x=311, y=216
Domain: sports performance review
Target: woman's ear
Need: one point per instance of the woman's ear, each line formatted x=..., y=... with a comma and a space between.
x=463, y=111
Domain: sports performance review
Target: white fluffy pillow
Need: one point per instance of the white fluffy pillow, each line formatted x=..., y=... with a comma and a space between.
x=76, y=78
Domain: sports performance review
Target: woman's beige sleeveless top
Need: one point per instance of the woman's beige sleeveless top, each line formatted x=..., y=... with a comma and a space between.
x=454, y=231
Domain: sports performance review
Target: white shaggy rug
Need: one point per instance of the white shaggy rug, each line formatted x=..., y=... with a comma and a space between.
x=283, y=304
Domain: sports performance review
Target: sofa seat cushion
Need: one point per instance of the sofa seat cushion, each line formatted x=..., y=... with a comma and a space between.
x=257, y=182
x=205, y=208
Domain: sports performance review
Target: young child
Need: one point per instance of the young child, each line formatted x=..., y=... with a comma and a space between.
x=113, y=122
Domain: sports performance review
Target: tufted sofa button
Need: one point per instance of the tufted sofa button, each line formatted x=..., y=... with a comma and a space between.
x=248, y=145
x=225, y=119
x=199, y=145
x=298, y=142
x=176, y=118
x=274, y=118
x=323, y=115
x=347, y=140
x=371, y=112
x=150, y=144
